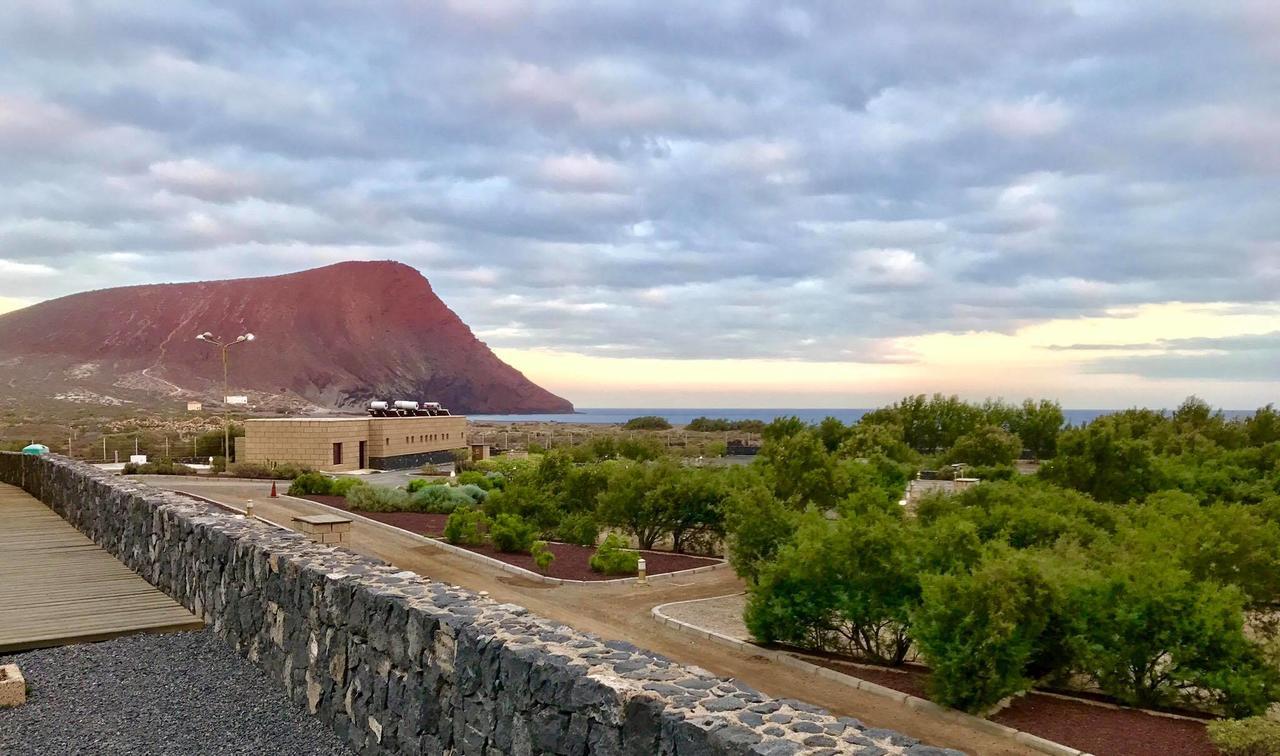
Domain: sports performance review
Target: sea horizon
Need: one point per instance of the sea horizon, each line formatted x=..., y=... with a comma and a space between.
x=684, y=415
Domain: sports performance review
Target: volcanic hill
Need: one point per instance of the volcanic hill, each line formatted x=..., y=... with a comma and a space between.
x=332, y=337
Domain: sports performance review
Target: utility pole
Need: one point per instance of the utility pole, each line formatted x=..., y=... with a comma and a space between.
x=226, y=408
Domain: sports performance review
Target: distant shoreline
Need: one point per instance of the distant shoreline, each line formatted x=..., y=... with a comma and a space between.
x=684, y=415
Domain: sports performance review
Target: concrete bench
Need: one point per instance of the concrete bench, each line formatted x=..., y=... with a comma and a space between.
x=324, y=528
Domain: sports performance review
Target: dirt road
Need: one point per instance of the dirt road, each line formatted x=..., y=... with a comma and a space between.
x=614, y=611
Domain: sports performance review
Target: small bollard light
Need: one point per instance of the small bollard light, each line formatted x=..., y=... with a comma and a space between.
x=640, y=569
x=248, y=509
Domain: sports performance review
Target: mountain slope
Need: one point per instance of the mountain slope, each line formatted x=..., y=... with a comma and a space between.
x=334, y=336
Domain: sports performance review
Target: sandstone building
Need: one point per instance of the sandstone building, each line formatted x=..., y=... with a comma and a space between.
x=352, y=443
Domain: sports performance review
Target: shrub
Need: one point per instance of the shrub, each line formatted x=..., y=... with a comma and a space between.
x=418, y=484
x=437, y=500
x=258, y=470
x=614, y=558
x=979, y=632
x=1255, y=736
x=476, y=478
x=474, y=493
x=542, y=555
x=580, y=528
x=378, y=499
x=1149, y=632
x=989, y=446
x=311, y=484
x=163, y=467
x=511, y=534
x=219, y=464
x=343, y=486
x=466, y=527
x=846, y=586
x=647, y=422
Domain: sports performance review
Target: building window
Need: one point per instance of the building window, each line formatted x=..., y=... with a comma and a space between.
x=337, y=453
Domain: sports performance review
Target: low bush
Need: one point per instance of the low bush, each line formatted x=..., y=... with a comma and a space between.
x=512, y=535
x=647, y=422
x=259, y=470
x=438, y=500
x=466, y=527
x=1255, y=736
x=163, y=467
x=378, y=499
x=476, y=478
x=343, y=486
x=542, y=555
x=474, y=493
x=311, y=484
x=580, y=528
x=614, y=558
x=418, y=484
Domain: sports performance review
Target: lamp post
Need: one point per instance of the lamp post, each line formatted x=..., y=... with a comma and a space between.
x=223, y=346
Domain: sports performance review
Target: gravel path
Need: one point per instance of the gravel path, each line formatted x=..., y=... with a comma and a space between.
x=175, y=693
x=720, y=615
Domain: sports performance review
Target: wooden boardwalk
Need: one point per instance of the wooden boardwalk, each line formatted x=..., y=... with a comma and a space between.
x=58, y=587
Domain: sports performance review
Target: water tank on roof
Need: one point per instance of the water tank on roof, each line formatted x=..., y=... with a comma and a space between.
x=36, y=449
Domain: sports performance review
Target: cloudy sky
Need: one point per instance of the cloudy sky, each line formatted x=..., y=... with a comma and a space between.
x=690, y=203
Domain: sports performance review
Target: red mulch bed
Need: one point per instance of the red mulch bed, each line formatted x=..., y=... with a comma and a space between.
x=1106, y=731
x=1100, y=730
x=421, y=523
x=572, y=562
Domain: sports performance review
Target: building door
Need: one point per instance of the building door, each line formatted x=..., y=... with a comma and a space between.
x=362, y=459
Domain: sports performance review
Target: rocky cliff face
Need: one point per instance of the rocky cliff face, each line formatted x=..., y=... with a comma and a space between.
x=333, y=337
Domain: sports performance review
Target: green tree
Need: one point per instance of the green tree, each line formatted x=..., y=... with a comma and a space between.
x=800, y=469
x=1105, y=461
x=832, y=433
x=1038, y=424
x=1231, y=544
x=1149, y=633
x=871, y=439
x=758, y=524
x=647, y=422
x=1264, y=426
x=979, y=632
x=847, y=586
x=989, y=445
x=634, y=501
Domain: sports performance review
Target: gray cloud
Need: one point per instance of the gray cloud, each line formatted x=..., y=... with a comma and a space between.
x=1251, y=357
x=800, y=180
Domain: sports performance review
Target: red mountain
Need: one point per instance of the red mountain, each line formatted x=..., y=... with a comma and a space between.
x=333, y=336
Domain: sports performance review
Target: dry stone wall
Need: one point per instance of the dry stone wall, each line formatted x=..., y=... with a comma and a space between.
x=395, y=663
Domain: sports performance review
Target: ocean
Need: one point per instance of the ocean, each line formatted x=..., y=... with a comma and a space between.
x=681, y=416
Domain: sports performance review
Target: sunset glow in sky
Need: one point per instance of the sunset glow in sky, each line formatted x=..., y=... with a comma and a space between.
x=736, y=204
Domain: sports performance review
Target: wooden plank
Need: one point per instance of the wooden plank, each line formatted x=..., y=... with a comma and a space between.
x=58, y=587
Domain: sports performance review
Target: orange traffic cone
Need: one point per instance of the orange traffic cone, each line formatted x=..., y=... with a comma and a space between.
x=274, y=495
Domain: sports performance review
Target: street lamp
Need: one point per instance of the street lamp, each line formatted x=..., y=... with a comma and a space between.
x=223, y=346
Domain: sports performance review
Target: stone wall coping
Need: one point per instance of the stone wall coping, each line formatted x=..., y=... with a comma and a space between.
x=912, y=702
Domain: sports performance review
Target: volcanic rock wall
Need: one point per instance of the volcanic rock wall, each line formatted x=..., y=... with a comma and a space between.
x=398, y=664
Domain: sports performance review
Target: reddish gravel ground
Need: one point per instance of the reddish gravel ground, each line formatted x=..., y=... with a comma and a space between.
x=1100, y=730
x=572, y=562
x=414, y=522
x=1106, y=731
